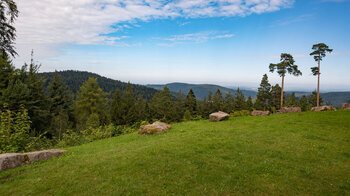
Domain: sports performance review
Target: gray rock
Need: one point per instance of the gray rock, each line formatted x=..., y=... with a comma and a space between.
x=345, y=106
x=218, y=116
x=13, y=160
x=260, y=113
x=155, y=128
x=289, y=110
x=323, y=108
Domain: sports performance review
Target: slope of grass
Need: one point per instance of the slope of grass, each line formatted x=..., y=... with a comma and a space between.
x=287, y=154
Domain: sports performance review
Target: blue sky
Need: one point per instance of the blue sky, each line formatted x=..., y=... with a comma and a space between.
x=225, y=42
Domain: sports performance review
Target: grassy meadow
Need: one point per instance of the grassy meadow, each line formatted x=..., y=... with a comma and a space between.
x=286, y=154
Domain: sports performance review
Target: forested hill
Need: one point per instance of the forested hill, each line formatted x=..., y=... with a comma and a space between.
x=74, y=80
x=200, y=90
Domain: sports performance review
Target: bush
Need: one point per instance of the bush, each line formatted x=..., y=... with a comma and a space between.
x=197, y=117
x=14, y=131
x=71, y=138
x=240, y=113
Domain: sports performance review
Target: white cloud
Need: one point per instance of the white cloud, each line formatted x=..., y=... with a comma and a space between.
x=46, y=24
x=200, y=37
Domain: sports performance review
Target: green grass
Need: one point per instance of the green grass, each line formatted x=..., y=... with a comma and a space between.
x=286, y=154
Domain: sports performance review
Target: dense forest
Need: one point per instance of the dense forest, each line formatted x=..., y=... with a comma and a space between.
x=74, y=80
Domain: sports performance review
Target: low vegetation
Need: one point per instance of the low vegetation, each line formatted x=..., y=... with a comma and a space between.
x=294, y=154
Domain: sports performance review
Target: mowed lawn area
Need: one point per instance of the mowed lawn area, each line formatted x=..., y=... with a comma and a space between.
x=283, y=154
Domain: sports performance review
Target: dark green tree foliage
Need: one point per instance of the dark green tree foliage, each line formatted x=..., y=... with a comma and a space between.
x=128, y=106
x=313, y=99
x=229, y=103
x=275, y=100
x=140, y=108
x=218, y=101
x=8, y=15
x=75, y=79
x=61, y=110
x=303, y=103
x=6, y=73
x=59, y=96
x=191, y=102
x=116, y=110
x=292, y=100
x=240, y=102
x=319, y=52
x=90, y=100
x=14, y=130
x=285, y=66
x=162, y=105
x=179, y=106
x=250, y=105
x=26, y=88
x=264, y=94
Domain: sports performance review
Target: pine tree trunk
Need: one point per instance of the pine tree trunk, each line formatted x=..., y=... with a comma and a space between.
x=318, y=84
x=282, y=91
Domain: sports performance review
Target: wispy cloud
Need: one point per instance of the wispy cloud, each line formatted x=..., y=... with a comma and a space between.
x=59, y=22
x=200, y=37
x=292, y=20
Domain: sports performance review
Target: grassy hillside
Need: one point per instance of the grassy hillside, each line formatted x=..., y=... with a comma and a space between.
x=75, y=79
x=200, y=90
x=286, y=154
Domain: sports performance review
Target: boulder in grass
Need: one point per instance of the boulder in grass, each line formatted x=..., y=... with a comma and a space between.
x=13, y=160
x=345, y=106
x=155, y=128
x=43, y=155
x=323, y=108
x=260, y=113
x=289, y=110
x=218, y=116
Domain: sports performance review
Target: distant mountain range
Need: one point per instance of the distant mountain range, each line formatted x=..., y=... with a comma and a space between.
x=75, y=79
x=200, y=90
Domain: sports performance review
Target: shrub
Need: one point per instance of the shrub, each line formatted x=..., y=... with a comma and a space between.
x=240, y=113
x=14, y=131
x=71, y=138
x=187, y=116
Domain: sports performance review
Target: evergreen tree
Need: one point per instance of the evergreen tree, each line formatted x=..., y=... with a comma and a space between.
x=275, y=99
x=6, y=73
x=162, y=105
x=264, y=94
x=116, y=110
x=210, y=106
x=90, y=100
x=191, y=102
x=319, y=52
x=60, y=102
x=240, y=103
x=229, y=103
x=59, y=96
x=128, y=105
x=292, y=100
x=140, y=109
x=218, y=101
x=8, y=15
x=179, y=106
x=26, y=88
x=303, y=103
x=285, y=66
x=313, y=99
x=249, y=103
